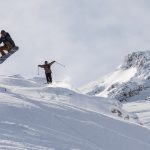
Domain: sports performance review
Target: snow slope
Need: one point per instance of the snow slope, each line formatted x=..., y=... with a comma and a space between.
x=141, y=109
x=102, y=87
x=129, y=82
x=34, y=117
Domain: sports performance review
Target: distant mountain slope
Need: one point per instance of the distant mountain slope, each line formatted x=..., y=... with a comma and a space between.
x=128, y=80
x=129, y=83
x=34, y=117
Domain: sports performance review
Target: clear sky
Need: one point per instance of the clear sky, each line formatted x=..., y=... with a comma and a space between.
x=91, y=37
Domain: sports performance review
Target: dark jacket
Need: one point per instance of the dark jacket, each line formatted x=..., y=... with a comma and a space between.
x=7, y=38
x=47, y=67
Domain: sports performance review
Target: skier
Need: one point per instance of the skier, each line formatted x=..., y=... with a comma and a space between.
x=48, y=72
x=7, y=41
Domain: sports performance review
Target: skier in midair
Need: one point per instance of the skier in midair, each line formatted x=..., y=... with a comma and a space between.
x=48, y=72
x=7, y=41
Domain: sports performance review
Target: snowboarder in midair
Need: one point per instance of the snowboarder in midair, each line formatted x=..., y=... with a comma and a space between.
x=48, y=72
x=7, y=41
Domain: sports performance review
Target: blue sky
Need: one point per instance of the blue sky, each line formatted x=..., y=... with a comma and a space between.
x=91, y=37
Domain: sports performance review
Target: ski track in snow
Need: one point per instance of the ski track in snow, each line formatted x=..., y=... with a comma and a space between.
x=56, y=118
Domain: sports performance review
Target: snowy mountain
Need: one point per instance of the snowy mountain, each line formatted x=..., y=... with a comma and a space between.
x=130, y=82
x=34, y=116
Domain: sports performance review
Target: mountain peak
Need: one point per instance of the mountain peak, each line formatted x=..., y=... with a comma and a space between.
x=140, y=60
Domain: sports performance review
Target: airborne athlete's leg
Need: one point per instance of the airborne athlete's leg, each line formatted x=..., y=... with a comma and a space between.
x=8, y=46
x=2, y=48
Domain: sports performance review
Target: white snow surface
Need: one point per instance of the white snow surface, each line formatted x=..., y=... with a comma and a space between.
x=118, y=76
x=34, y=116
x=141, y=109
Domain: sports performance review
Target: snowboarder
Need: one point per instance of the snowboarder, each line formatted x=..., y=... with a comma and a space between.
x=48, y=72
x=7, y=41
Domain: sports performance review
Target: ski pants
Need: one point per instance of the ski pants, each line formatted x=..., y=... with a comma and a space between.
x=7, y=46
x=49, y=77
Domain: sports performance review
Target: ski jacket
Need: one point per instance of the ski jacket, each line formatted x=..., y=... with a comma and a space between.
x=47, y=67
x=7, y=38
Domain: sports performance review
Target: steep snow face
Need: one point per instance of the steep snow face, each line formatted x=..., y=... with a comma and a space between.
x=101, y=86
x=130, y=79
x=121, y=76
x=34, y=117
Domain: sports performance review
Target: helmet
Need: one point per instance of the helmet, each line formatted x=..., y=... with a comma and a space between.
x=2, y=31
x=46, y=62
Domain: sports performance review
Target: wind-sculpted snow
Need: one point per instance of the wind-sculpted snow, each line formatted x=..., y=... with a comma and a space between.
x=57, y=118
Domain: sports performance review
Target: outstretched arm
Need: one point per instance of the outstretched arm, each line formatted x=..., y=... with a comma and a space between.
x=52, y=63
x=42, y=66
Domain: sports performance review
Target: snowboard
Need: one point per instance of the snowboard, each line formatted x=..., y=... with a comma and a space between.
x=12, y=51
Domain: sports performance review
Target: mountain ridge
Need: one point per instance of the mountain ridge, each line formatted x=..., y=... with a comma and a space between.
x=127, y=81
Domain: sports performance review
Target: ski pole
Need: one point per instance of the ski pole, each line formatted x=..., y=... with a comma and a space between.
x=38, y=71
x=60, y=64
